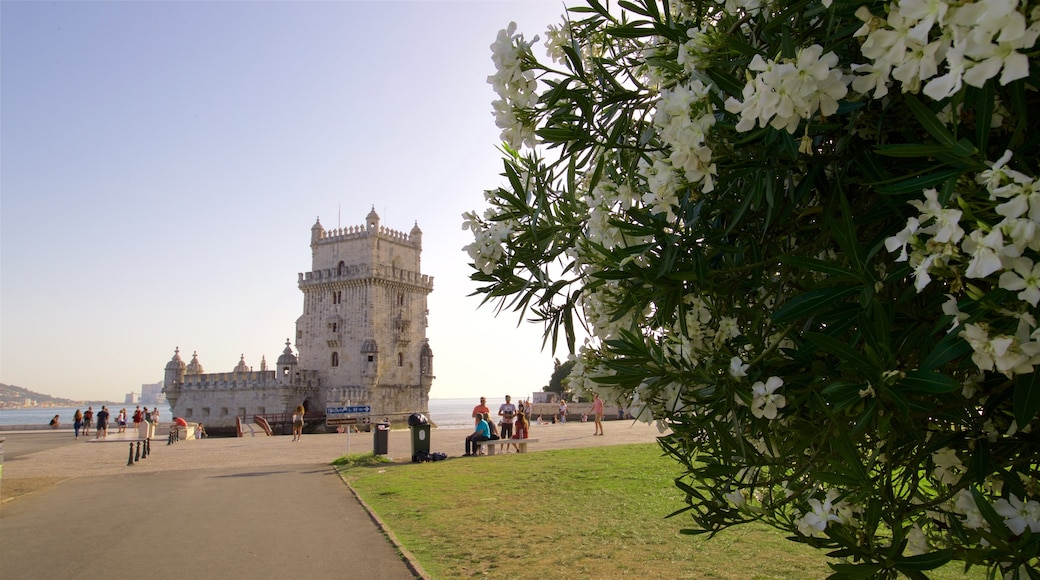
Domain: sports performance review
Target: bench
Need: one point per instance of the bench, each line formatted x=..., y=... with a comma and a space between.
x=491, y=443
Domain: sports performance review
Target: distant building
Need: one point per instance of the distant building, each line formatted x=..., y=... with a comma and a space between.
x=361, y=338
x=152, y=394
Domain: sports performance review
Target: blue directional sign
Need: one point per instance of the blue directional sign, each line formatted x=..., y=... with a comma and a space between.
x=348, y=410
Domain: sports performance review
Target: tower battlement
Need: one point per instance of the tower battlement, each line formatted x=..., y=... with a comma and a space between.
x=336, y=235
x=358, y=272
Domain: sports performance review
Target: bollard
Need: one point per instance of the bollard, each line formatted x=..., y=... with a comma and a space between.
x=130, y=461
x=147, y=447
x=138, y=456
x=169, y=439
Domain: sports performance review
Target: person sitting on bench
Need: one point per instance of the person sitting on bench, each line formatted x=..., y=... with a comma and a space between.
x=482, y=433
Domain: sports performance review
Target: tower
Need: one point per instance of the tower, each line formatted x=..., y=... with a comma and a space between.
x=362, y=334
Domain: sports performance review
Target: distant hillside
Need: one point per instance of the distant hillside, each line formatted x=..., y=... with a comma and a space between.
x=11, y=395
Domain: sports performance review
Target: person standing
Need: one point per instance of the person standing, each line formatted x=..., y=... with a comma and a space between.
x=563, y=410
x=88, y=420
x=482, y=432
x=137, y=419
x=507, y=411
x=154, y=423
x=297, y=423
x=480, y=410
x=121, y=420
x=102, y=423
x=77, y=422
x=597, y=413
x=523, y=427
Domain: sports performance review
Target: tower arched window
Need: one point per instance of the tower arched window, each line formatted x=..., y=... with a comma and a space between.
x=400, y=359
x=335, y=359
x=341, y=269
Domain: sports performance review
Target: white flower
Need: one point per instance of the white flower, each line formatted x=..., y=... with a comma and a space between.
x=1019, y=515
x=967, y=507
x=765, y=403
x=916, y=542
x=948, y=468
x=985, y=250
x=736, y=498
x=737, y=367
x=815, y=522
x=1025, y=277
x=900, y=240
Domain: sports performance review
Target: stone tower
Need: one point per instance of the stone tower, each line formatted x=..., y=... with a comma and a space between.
x=362, y=335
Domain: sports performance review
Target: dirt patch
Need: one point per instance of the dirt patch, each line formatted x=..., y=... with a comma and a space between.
x=12, y=489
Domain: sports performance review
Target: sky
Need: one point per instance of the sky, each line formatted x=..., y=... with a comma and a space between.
x=162, y=163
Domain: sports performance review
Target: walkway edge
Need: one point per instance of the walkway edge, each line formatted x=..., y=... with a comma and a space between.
x=407, y=556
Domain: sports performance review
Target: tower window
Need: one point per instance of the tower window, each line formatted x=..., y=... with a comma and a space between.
x=335, y=359
x=400, y=299
x=400, y=359
x=371, y=358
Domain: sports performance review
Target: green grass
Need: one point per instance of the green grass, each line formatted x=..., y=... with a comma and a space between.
x=360, y=460
x=584, y=513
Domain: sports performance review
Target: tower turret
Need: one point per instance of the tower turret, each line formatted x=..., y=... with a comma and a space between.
x=286, y=365
x=372, y=220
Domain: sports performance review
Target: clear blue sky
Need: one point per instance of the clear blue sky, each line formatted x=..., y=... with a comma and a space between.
x=163, y=162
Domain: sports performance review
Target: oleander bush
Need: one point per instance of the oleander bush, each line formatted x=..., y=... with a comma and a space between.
x=803, y=236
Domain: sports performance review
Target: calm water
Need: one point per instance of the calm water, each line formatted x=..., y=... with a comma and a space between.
x=445, y=413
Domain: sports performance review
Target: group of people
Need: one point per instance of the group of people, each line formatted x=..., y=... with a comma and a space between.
x=85, y=420
x=511, y=416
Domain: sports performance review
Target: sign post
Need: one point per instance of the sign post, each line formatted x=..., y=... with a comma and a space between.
x=346, y=415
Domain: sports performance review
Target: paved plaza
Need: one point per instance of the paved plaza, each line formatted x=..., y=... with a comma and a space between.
x=254, y=506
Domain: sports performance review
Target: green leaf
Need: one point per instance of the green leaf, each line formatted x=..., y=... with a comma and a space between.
x=929, y=561
x=1027, y=398
x=950, y=348
x=919, y=381
x=811, y=302
x=815, y=265
x=911, y=150
x=918, y=183
x=930, y=122
x=841, y=349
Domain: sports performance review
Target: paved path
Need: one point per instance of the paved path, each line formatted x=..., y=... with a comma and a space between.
x=254, y=506
x=295, y=521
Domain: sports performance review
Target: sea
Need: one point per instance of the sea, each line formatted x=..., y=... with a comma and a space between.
x=444, y=413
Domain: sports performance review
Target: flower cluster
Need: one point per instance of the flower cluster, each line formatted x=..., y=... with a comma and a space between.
x=970, y=42
x=516, y=87
x=1000, y=250
x=786, y=92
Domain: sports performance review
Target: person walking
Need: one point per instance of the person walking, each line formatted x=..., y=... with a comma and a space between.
x=121, y=420
x=597, y=413
x=297, y=423
x=102, y=423
x=77, y=422
x=88, y=420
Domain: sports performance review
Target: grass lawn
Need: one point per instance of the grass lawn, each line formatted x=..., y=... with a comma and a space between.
x=580, y=513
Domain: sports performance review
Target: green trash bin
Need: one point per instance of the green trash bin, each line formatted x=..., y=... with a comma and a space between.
x=420, y=428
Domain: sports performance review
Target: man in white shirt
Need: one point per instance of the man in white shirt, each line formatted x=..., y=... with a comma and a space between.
x=507, y=411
